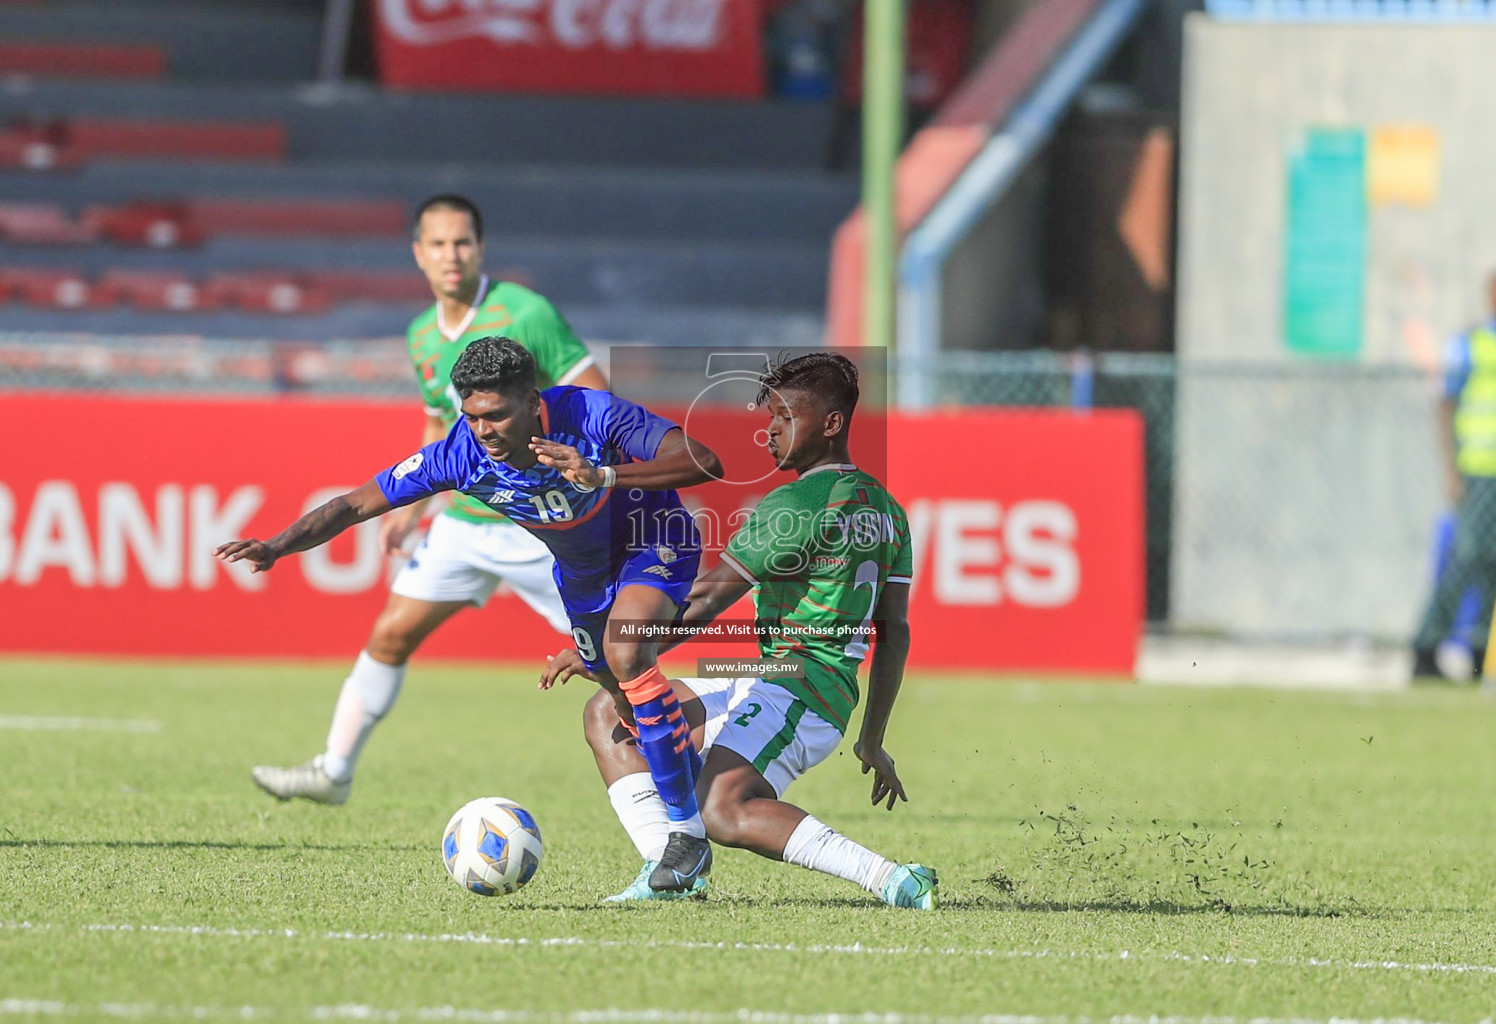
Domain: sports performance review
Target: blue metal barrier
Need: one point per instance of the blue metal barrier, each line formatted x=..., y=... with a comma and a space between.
x=1427, y=11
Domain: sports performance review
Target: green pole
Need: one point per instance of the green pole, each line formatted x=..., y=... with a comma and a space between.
x=882, y=132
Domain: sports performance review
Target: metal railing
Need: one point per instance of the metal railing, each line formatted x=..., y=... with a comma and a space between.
x=1427, y=11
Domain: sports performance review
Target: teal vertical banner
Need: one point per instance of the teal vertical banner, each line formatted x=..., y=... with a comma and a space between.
x=1324, y=266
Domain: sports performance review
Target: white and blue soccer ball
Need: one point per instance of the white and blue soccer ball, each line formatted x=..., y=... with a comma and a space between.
x=491, y=846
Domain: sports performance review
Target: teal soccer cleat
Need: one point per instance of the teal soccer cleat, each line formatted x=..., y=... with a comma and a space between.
x=640, y=890
x=912, y=886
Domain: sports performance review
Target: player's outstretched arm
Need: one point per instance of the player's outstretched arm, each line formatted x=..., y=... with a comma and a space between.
x=318, y=526
x=711, y=595
x=889, y=656
x=678, y=462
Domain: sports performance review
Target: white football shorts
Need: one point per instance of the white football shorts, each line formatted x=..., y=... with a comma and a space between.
x=766, y=725
x=465, y=561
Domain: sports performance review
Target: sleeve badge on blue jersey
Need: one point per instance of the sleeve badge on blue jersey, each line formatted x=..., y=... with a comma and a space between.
x=410, y=465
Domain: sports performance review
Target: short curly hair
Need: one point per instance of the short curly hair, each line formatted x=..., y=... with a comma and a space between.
x=494, y=364
x=830, y=376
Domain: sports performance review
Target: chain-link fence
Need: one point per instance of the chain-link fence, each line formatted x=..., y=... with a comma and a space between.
x=1282, y=500
x=171, y=363
x=1305, y=499
x=1084, y=381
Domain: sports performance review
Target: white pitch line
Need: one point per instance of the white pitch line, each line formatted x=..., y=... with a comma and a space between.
x=855, y=949
x=45, y=724
x=361, y=1012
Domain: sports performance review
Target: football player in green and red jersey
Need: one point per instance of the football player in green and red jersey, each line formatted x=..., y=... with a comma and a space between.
x=827, y=554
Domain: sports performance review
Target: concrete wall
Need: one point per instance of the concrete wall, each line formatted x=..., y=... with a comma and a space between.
x=1249, y=90
x=1306, y=490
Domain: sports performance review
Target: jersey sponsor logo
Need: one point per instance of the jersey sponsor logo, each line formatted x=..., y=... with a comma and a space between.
x=409, y=466
x=689, y=25
x=659, y=570
x=503, y=497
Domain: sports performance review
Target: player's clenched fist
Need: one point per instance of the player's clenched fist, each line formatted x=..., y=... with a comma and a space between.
x=394, y=529
x=257, y=553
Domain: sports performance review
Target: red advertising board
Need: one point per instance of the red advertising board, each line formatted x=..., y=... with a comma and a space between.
x=1027, y=529
x=602, y=47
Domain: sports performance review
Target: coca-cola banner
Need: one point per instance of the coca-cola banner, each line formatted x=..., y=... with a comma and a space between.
x=1027, y=529
x=602, y=47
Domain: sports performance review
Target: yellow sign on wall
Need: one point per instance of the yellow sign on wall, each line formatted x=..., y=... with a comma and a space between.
x=1403, y=165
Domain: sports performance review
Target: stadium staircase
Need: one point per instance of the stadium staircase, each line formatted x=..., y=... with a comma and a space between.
x=171, y=167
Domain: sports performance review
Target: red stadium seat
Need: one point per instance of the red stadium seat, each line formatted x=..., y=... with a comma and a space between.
x=37, y=148
x=155, y=290
x=371, y=286
x=43, y=224
x=266, y=292
x=200, y=140
x=81, y=60
x=155, y=224
x=300, y=216
x=59, y=289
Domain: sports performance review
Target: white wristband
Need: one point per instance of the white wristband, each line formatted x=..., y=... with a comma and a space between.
x=609, y=476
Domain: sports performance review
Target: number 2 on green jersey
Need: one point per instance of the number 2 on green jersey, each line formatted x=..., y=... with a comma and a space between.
x=867, y=573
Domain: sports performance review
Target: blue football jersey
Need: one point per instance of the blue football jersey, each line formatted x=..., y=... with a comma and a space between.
x=591, y=533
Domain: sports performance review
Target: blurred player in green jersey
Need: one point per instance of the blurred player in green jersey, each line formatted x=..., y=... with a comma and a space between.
x=470, y=548
x=828, y=554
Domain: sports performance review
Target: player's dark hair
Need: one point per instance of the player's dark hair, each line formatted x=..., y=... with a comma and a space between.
x=494, y=364
x=830, y=376
x=449, y=201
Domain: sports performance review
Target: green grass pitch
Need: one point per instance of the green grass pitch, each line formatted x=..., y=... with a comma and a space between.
x=1105, y=851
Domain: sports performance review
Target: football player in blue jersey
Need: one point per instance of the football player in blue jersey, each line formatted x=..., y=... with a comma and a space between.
x=594, y=477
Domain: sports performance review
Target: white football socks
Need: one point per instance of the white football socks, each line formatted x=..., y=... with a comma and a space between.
x=821, y=848
x=642, y=814
x=367, y=696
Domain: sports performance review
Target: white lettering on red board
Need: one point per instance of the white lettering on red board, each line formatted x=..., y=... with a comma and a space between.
x=974, y=551
x=126, y=526
x=982, y=556
x=689, y=25
x=171, y=536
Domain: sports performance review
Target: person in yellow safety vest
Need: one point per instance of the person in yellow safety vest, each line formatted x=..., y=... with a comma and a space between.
x=1468, y=432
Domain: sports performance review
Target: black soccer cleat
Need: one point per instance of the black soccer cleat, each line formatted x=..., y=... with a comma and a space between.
x=686, y=858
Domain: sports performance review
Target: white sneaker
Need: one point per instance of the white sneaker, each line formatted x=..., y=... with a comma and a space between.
x=307, y=781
